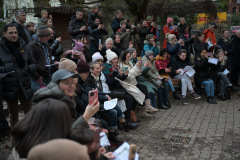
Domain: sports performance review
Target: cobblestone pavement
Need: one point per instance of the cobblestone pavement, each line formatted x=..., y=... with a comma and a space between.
x=198, y=131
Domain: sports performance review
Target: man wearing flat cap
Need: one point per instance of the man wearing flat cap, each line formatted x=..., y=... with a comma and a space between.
x=41, y=52
x=210, y=33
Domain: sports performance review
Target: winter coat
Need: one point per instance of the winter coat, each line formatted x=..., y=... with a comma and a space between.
x=173, y=51
x=56, y=49
x=140, y=79
x=23, y=32
x=209, y=34
x=202, y=70
x=198, y=47
x=125, y=37
x=234, y=51
x=118, y=48
x=224, y=43
x=81, y=99
x=115, y=24
x=134, y=72
x=165, y=31
x=143, y=32
x=19, y=80
x=178, y=63
x=87, y=54
x=148, y=46
x=74, y=27
x=91, y=18
x=41, y=62
x=53, y=91
x=161, y=63
x=96, y=34
x=188, y=44
x=152, y=73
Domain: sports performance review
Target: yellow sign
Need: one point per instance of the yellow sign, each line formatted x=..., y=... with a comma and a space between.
x=221, y=16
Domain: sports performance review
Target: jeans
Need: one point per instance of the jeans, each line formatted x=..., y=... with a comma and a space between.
x=152, y=99
x=116, y=115
x=170, y=85
x=209, y=87
x=162, y=94
x=223, y=82
x=13, y=107
x=93, y=48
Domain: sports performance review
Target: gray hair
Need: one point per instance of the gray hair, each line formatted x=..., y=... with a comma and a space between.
x=19, y=12
x=107, y=40
x=238, y=32
x=92, y=64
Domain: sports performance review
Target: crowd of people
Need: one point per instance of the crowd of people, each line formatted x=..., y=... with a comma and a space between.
x=53, y=87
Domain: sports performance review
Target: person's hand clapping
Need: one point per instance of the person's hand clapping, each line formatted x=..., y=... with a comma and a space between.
x=109, y=155
x=168, y=70
x=139, y=63
x=126, y=72
x=109, y=98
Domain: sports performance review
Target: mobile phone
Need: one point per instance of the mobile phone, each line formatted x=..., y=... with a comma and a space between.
x=124, y=69
x=132, y=151
x=92, y=96
x=99, y=41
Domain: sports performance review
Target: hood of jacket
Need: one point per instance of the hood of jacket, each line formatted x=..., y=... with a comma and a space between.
x=52, y=91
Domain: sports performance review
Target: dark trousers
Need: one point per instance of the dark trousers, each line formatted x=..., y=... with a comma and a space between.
x=13, y=107
x=143, y=88
x=235, y=75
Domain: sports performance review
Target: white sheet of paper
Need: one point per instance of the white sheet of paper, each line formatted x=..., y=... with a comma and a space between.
x=110, y=104
x=5, y=74
x=213, y=60
x=104, y=140
x=191, y=72
x=225, y=71
x=122, y=153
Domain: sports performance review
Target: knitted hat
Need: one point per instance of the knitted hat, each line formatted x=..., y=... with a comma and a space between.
x=149, y=36
x=110, y=55
x=169, y=19
x=170, y=37
x=96, y=56
x=78, y=46
x=148, y=53
x=83, y=67
x=67, y=64
x=43, y=11
x=149, y=18
x=43, y=31
x=131, y=50
x=60, y=149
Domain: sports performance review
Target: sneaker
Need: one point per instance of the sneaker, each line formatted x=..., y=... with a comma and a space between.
x=184, y=101
x=195, y=96
x=150, y=109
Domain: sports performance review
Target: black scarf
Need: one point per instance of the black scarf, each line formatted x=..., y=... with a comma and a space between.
x=14, y=48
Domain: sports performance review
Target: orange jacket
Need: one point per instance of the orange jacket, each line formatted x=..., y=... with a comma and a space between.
x=209, y=34
x=165, y=31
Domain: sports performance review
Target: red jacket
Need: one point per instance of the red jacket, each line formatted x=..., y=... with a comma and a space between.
x=165, y=31
x=209, y=34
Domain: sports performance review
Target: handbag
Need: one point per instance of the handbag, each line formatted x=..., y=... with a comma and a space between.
x=157, y=82
x=227, y=93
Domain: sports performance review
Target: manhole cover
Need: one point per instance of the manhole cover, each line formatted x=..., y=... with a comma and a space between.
x=179, y=139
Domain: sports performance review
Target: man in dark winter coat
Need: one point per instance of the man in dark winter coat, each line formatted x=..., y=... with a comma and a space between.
x=115, y=24
x=42, y=55
x=16, y=64
x=23, y=33
x=234, y=57
x=77, y=25
x=93, y=15
x=55, y=46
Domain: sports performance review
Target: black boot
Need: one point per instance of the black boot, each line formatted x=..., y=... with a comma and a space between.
x=168, y=104
x=130, y=125
x=176, y=95
x=221, y=97
x=112, y=138
x=233, y=88
x=162, y=107
x=213, y=100
x=209, y=100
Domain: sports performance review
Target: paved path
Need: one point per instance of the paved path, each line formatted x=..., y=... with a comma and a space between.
x=198, y=131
